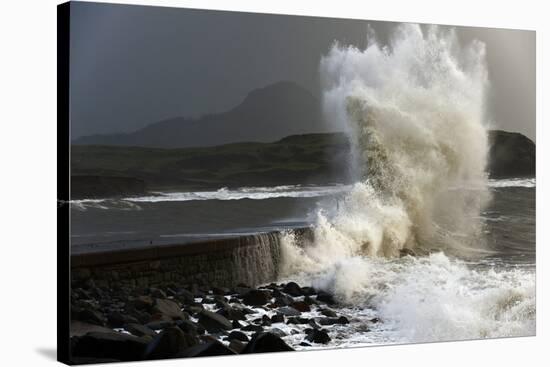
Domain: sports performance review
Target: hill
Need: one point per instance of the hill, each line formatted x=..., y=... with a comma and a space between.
x=265, y=115
x=298, y=159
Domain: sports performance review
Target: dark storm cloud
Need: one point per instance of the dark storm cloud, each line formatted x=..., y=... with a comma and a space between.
x=135, y=65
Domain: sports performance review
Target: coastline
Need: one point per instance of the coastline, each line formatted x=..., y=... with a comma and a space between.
x=152, y=303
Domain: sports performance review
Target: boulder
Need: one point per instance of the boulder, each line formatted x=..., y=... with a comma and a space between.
x=117, y=319
x=189, y=327
x=342, y=320
x=252, y=327
x=278, y=332
x=236, y=324
x=283, y=300
x=317, y=336
x=288, y=311
x=232, y=313
x=168, y=309
x=265, y=343
x=214, y=322
x=238, y=335
x=169, y=343
x=91, y=316
x=141, y=303
x=256, y=297
x=159, y=325
x=277, y=318
x=118, y=346
x=79, y=328
x=301, y=306
x=139, y=330
x=157, y=293
x=328, y=312
x=297, y=320
x=236, y=345
x=293, y=289
x=184, y=296
x=326, y=298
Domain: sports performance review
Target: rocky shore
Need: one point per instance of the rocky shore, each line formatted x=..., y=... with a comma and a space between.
x=174, y=321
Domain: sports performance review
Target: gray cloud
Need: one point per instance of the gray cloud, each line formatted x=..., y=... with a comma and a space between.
x=135, y=65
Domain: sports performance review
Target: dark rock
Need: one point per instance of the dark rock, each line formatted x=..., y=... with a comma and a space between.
x=236, y=345
x=241, y=291
x=159, y=325
x=293, y=289
x=283, y=300
x=304, y=344
x=141, y=303
x=375, y=320
x=194, y=308
x=238, y=336
x=511, y=155
x=143, y=317
x=214, y=322
x=189, y=327
x=326, y=298
x=278, y=332
x=288, y=311
x=309, y=301
x=342, y=320
x=265, y=343
x=237, y=325
x=256, y=297
x=220, y=291
x=168, y=343
x=212, y=348
x=297, y=320
x=139, y=330
x=252, y=327
x=92, y=317
x=308, y=291
x=168, y=309
x=328, y=312
x=117, y=319
x=301, y=306
x=79, y=328
x=277, y=318
x=118, y=346
x=157, y=293
x=184, y=296
x=232, y=313
x=317, y=336
x=313, y=324
x=266, y=320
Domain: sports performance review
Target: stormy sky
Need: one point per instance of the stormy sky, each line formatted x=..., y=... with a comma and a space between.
x=135, y=65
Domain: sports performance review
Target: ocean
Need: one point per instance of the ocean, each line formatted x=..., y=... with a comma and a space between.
x=429, y=297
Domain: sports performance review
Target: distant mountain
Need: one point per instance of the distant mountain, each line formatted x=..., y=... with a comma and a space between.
x=265, y=115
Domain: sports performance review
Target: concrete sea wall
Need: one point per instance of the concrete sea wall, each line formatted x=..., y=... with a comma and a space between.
x=252, y=259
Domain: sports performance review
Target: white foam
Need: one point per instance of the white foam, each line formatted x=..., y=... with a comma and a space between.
x=415, y=113
x=253, y=193
x=513, y=182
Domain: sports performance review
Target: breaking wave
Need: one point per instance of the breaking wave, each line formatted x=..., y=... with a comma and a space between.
x=414, y=111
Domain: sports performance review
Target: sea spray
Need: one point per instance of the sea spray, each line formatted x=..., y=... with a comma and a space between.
x=414, y=111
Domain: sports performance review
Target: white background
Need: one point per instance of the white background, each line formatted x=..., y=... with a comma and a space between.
x=28, y=182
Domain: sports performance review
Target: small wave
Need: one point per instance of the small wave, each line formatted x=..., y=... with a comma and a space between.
x=253, y=193
x=513, y=182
